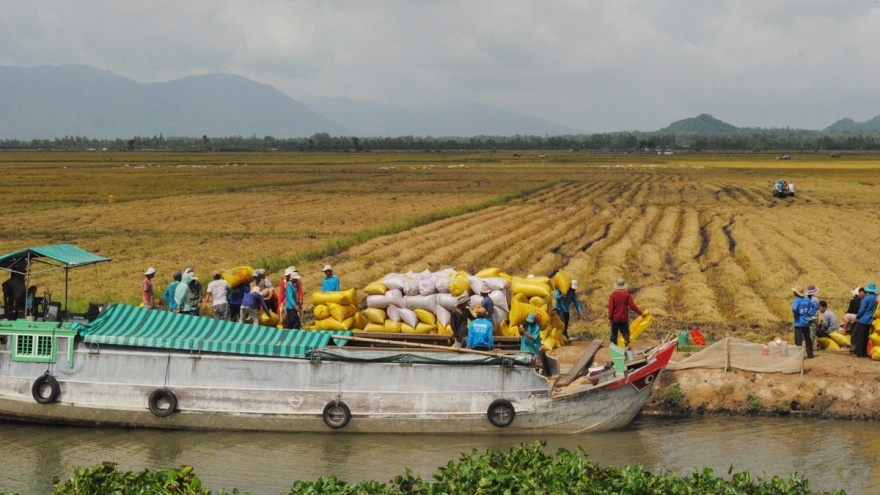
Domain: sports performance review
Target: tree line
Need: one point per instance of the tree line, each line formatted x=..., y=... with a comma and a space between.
x=770, y=139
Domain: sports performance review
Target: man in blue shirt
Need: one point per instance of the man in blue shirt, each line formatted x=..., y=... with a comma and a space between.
x=531, y=335
x=803, y=309
x=864, y=322
x=480, y=333
x=291, y=303
x=236, y=296
x=564, y=302
x=487, y=303
x=250, y=306
x=330, y=282
x=168, y=295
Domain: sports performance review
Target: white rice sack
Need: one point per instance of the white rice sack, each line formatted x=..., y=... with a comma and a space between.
x=497, y=283
x=393, y=281
x=499, y=298
x=393, y=313
x=409, y=317
x=421, y=302
x=499, y=316
x=476, y=300
x=447, y=301
x=411, y=288
x=390, y=298
x=410, y=274
x=446, y=272
x=444, y=316
x=427, y=287
x=476, y=284
x=425, y=275
x=442, y=284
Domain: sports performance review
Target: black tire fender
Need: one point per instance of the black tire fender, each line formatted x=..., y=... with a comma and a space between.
x=501, y=413
x=156, y=400
x=46, y=380
x=336, y=415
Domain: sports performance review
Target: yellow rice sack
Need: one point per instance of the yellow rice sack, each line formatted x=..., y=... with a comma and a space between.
x=842, y=340
x=375, y=315
x=404, y=328
x=505, y=276
x=875, y=354
x=519, y=298
x=392, y=326
x=330, y=324
x=556, y=334
x=268, y=320
x=426, y=316
x=343, y=297
x=636, y=328
x=826, y=343
x=459, y=284
x=447, y=330
x=562, y=282
x=425, y=328
x=359, y=321
x=375, y=289
x=876, y=324
x=530, y=288
x=238, y=276
x=488, y=273
x=549, y=344
x=537, y=301
x=348, y=323
x=556, y=322
x=372, y=327
x=341, y=312
x=321, y=312
x=520, y=311
x=875, y=338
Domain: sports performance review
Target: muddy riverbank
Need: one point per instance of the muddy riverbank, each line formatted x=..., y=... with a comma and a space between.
x=834, y=386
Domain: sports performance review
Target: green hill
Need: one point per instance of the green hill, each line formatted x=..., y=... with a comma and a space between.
x=849, y=125
x=703, y=124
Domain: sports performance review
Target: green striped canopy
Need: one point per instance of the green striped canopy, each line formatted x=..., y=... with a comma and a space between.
x=131, y=326
x=68, y=255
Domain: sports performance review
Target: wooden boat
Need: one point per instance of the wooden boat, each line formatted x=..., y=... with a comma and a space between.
x=141, y=368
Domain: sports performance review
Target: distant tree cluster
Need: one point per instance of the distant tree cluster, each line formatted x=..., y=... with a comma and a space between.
x=753, y=140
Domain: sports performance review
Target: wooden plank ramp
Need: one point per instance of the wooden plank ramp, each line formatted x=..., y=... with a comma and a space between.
x=583, y=363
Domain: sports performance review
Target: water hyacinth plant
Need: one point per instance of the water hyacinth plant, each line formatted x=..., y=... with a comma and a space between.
x=523, y=470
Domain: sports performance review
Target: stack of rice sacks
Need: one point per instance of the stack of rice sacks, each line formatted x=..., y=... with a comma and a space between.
x=535, y=295
x=423, y=302
x=410, y=303
x=337, y=311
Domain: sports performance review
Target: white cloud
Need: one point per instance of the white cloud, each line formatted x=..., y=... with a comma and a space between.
x=595, y=65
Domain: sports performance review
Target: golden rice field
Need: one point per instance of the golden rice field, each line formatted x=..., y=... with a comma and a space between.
x=700, y=239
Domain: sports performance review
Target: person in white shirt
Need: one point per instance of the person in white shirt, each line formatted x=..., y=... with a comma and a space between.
x=218, y=289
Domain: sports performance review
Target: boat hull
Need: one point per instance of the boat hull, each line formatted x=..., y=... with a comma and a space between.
x=222, y=392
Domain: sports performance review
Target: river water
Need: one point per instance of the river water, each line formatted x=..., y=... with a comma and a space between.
x=831, y=454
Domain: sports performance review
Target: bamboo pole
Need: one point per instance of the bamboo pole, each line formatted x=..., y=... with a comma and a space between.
x=424, y=346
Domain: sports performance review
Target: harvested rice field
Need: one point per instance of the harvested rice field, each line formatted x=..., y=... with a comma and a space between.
x=700, y=239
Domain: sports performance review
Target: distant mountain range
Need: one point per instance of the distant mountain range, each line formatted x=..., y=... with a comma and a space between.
x=54, y=101
x=76, y=100
x=367, y=118
x=707, y=125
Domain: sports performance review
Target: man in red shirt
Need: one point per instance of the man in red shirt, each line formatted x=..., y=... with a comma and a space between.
x=618, y=311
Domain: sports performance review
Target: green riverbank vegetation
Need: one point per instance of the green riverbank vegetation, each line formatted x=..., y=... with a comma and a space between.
x=522, y=470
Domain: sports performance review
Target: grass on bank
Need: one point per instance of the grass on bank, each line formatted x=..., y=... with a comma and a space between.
x=521, y=470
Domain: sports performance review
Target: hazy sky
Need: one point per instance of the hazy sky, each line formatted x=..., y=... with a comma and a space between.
x=594, y=65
